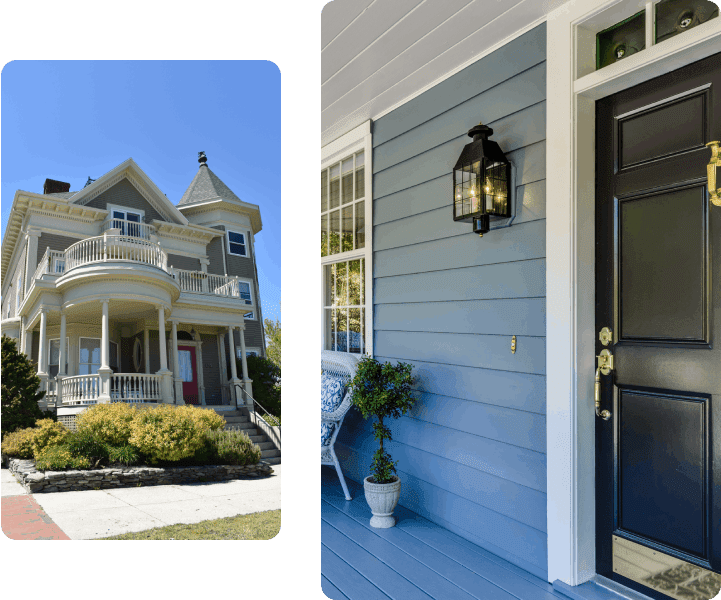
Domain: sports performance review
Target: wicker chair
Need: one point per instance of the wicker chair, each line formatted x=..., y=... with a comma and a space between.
x=343, y=366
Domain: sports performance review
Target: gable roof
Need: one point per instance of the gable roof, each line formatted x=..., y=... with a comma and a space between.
x=206, y=185
x=132, y=172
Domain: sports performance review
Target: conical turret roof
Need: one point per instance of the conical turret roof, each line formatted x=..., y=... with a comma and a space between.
x=206, y=185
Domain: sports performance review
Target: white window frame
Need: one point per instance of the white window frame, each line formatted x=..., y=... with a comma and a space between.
x=67, y=353
x=124, y=209
x=573, y=87
x=248, y=351
x=356, y=140
x=245, y=242
x=80, y=344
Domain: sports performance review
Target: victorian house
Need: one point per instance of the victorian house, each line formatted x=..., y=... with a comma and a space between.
x=118, y=294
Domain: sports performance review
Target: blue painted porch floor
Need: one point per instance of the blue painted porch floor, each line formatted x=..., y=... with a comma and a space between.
x=416, y=559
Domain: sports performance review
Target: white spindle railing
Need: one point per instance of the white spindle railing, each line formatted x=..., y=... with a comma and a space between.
x=115, y=248
x=134, y=387
x=52, y=262
x=199, y=282
x=129, y=228
x=81, y=389
x=191, y=281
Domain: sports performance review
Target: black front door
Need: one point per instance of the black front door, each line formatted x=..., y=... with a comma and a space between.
x=658, y=289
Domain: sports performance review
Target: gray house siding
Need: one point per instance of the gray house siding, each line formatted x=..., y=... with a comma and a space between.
x=124, y=194
x=216, y=250
x=183, y=262
x=211, y=368
x=54, y=242
x=471, y=453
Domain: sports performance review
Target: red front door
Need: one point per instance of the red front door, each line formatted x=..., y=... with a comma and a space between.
x=189, y=374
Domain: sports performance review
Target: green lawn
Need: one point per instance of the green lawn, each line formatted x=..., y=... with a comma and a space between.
x=255, y=526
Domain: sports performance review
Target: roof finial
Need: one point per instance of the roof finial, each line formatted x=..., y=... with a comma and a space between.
x=202, y=159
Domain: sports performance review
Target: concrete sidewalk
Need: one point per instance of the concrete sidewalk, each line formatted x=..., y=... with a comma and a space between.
x=101, y=513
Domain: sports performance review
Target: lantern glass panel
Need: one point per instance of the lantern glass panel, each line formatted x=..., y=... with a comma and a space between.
x=496, y=189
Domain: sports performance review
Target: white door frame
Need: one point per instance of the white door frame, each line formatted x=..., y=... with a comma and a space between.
x=572, y=89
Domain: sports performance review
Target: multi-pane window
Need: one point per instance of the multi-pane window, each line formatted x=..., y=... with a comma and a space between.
x=342, y=206
x=89, y=362
x=344, y=306
x=236, y=243
x=54, y=357
x=126, y=220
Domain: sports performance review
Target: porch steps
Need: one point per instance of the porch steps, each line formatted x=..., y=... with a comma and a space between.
x=239, y=421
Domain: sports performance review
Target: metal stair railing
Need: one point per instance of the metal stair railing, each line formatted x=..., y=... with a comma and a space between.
x=247, y=396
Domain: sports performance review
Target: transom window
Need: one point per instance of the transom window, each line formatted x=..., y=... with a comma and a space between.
x=342, y=206
x=236, y=243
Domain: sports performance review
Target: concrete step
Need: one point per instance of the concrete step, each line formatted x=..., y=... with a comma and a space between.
x=258, y=438
x=273, y=461
x=238, y=419
x=247, y=431
x=270, y=453
x=265, y=445
x=244, y=425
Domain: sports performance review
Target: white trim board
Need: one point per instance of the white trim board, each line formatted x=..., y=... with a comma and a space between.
x=570, y=277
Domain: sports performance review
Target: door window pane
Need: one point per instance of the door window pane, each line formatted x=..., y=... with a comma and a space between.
x=360, y=228
x=186, y=365
x=324, y=235
x=348, y=180
x=347, y=229
x=334, y=186
x=323, y=190
x=334, y=232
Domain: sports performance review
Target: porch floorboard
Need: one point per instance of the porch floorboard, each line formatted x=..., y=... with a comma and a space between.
x=415, y=559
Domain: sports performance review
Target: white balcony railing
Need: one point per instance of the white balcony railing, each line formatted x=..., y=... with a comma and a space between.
x=129, y=228
x=115, y=248
x=81, y=389
x=52, y=263
x=198, y=282
x=135, y=387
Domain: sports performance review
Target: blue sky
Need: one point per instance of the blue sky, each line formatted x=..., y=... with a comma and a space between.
x=70, y=120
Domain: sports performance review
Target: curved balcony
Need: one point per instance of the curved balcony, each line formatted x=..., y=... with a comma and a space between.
x=115, y=248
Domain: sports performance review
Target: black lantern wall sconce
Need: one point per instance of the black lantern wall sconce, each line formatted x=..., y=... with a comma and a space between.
x=483, y=183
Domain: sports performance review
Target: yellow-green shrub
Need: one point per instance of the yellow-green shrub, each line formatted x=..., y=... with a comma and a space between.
x=56, y=458
x=19, y=444
x=48, y=433
x=205, y=418
x=112, y=423
x=167, y=433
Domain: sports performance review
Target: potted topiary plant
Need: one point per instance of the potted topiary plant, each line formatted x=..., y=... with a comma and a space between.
x=383, y=391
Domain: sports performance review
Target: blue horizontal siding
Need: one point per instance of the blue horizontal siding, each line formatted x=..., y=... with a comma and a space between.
x=471, y=453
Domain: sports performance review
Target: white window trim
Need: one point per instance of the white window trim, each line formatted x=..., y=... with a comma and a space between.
x=244, y=233
x=570, y=277
x=356, y=140
x=126, y=210
x=252, y=292
x=67, y=352
x=247, y=351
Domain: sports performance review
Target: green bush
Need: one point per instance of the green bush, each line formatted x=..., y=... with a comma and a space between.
x=266, y=382
x=57, y=458
x=20, y=385
x=19, y=444
x=88, y=444
x=111, y=423
x=167, y=433
x=124, y=455
x=229, y=448
x=48, y=433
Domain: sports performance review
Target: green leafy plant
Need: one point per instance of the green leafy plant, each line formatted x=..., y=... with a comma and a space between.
x=272, y=335
x=266, y=382
x=20, y=385
x=57, y=458
x=383, y=391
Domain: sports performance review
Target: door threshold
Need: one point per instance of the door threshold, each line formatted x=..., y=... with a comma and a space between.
x=598, y=588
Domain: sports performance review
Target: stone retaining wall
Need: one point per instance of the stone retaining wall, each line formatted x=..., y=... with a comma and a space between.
x=35, y=481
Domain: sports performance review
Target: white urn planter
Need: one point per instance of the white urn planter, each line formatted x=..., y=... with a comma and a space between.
x=382, y=499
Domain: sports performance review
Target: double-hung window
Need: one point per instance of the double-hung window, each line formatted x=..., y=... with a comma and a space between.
x=236, y=244
x=345, y=240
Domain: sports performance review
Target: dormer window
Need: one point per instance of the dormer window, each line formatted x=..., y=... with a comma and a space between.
x=236, y=243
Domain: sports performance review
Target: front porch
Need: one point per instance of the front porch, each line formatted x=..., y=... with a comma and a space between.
x=416, y=559
x=119, y=350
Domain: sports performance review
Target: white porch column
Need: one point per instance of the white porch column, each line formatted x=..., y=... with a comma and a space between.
x=105, y=371
x=23, y=336
x=61, y=362
x=234, y=381
x=223, y=362
x=247, y=381
x=43, y=350
x=146, y=349
x=204, y=262
x=31, y=258
x=176, y=364
x=167, y=381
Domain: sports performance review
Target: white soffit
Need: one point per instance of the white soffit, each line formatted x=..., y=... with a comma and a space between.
x=378, y=54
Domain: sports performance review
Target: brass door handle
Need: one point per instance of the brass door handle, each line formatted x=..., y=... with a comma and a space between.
x=605, y=366
x=714, y=163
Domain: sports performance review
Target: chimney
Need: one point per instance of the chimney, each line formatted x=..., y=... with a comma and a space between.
x=53, y=187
